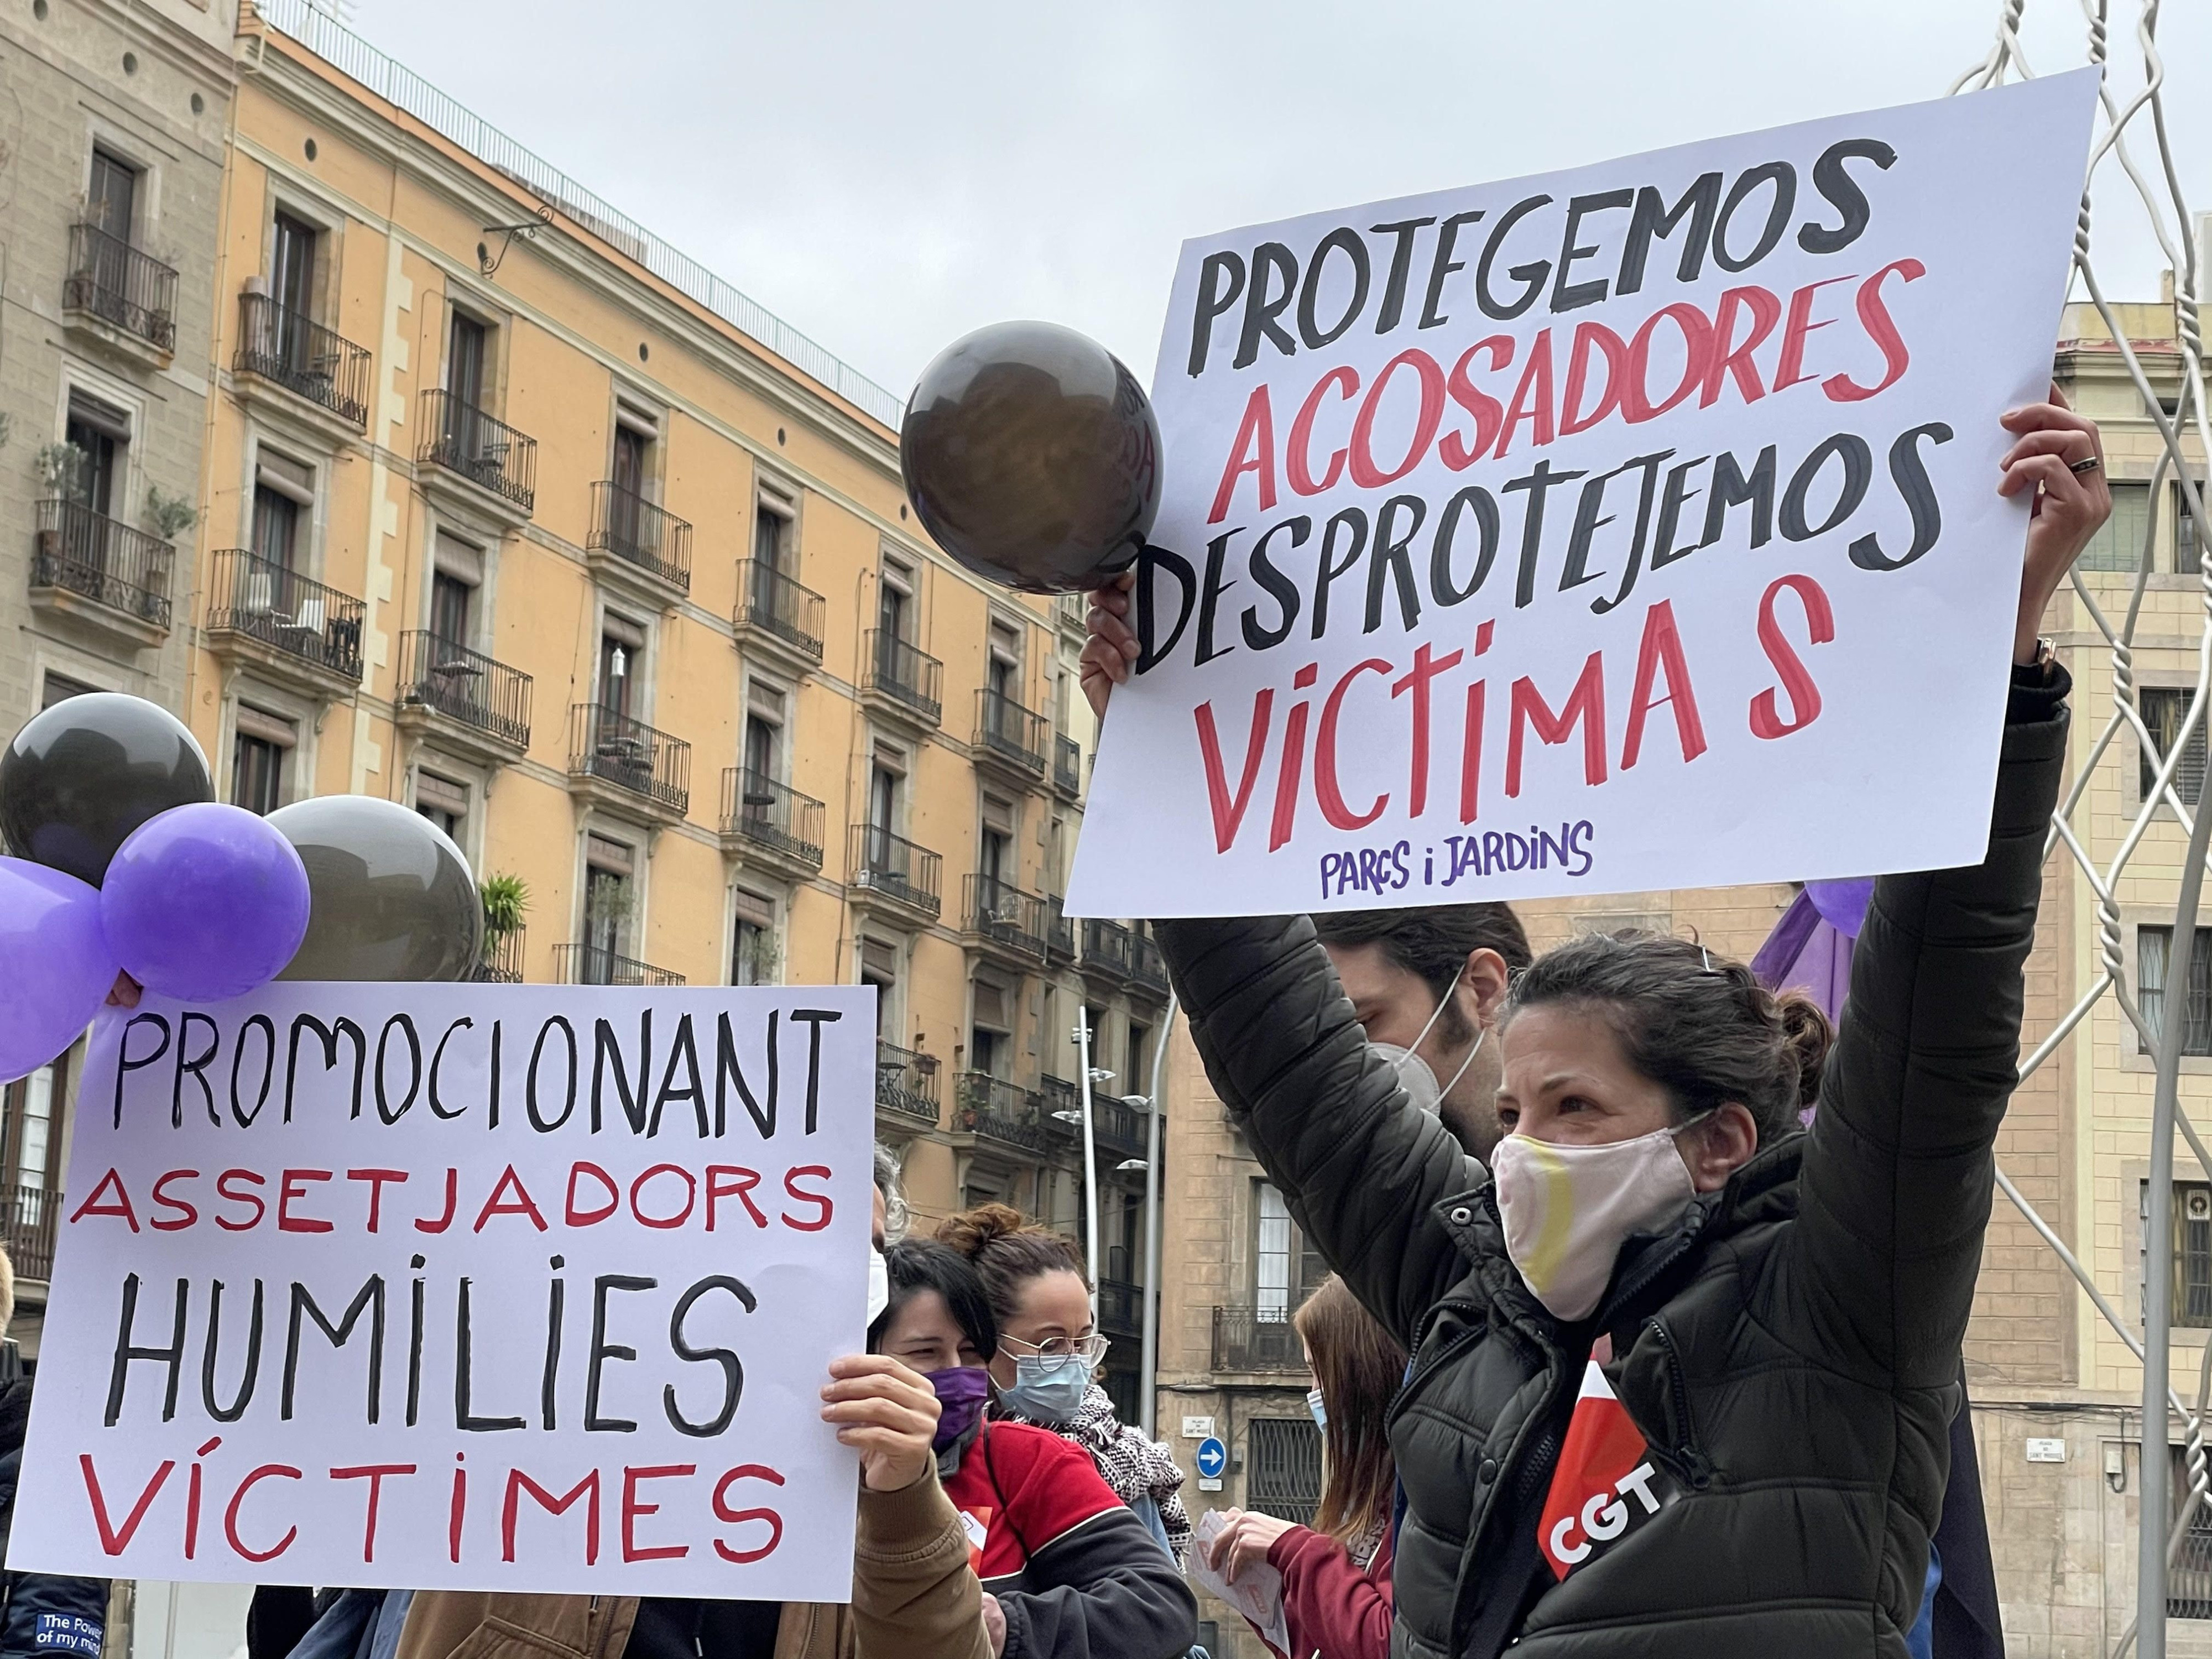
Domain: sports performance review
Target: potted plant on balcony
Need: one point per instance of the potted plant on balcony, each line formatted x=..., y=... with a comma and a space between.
x=505, y=904
x=61, y=470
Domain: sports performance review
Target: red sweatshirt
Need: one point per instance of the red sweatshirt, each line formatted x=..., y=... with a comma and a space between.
x=1330, y=1606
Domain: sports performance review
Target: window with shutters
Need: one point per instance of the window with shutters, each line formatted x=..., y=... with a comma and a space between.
x=60, y=687
x=1285, y=1269
x=879, y=967
x=991, y=1040
x=2118, y=545
x=2186, y=539
x=1282, y=1468
x=757, y=952
x=2154, y=950
x=2163, y=709
x=261, y=747
x=444, y=802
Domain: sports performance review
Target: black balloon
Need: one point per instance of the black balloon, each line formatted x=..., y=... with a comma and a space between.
x=82, y=776
x=393, y=896
x=1031, y=455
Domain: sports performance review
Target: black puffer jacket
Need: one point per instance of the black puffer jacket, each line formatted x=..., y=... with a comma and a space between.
x=1789, y=1350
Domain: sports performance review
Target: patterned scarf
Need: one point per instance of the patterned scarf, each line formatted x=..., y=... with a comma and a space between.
x=1132, y=1465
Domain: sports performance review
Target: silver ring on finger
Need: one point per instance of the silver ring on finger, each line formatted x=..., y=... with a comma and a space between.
x=2090, y=464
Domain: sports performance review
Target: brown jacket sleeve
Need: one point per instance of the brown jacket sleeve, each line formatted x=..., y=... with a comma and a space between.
x=913, y=1594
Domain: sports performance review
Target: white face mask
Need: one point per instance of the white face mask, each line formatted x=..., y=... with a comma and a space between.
x=1415, y=1075
x=1568, y=1210
x=879, y=1284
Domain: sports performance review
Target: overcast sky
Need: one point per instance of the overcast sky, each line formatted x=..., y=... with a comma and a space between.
x=887, y=176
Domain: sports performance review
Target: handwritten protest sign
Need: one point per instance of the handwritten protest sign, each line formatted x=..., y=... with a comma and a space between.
x=1626, y=528
x=460, y=1287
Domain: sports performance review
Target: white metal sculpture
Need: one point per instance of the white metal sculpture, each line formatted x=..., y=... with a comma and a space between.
x=2140, y=113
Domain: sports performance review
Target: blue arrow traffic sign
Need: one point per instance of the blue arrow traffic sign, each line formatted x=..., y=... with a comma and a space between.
x=1212, y=1457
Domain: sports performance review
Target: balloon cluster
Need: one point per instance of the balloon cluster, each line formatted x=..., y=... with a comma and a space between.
x=125, y=864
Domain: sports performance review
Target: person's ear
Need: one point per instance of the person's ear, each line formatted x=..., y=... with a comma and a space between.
x=1486, y=979
x=1717, y=1148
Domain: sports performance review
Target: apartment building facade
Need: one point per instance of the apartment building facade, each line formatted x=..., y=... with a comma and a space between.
x=110, y=166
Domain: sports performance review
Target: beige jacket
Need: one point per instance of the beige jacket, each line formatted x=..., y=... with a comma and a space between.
x=913, y=1598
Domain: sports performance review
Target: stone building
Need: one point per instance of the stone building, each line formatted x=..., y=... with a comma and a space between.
x=111, y=133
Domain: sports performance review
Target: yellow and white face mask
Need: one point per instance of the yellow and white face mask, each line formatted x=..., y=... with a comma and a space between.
x=1568, y=1209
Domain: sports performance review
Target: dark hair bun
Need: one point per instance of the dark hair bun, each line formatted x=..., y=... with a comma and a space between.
x=973, y=1231
x=1808, y=1035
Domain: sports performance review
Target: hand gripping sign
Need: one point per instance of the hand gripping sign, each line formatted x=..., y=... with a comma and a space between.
x=460, y=1287
x=1627, y=528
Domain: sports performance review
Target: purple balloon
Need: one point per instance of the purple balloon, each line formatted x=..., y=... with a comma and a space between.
x=204, y=903
x=1842, y=904
x=54, y=961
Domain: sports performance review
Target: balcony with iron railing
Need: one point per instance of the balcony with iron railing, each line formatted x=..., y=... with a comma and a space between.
x=593, y=965
x=1108, y=949
x=466, y=442
x=994, y=1109
x=286, y=622
x=1067, y=766
x=632, y=536
x=775, y=612
x=501, y=960
x=308, y=360
x=899, y=678
x=889, y=866
x=1148, y=968
x=1118, y=1125
x=644, y=769
x=120, y=290
x=1246, y=1339
x=28, y=1215
x=906, y=1084
x=994, y=912
x=1010, y=735
x=463, y=691
x=1059, y=930
x=83, y=555
x=771, y=817
x=1121, y=1298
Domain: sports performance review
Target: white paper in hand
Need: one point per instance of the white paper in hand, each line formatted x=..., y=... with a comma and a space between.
x=1258, y=1595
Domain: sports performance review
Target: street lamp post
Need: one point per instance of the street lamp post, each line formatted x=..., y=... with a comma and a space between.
x=1090, y=1167
x=1148, y=1366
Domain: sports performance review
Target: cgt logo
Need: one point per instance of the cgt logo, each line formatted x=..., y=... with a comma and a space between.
x=1604, y=1482
x=1604, y=1517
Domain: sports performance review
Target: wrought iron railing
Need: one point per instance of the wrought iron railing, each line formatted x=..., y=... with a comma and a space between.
x=1246, y=1339
x=757, y=807
x=1059, y=930
x=30, y=1215
x=119, y=284
x=770, y=600
x=464, y=685
x=1147, y=967
x=1119, y=1127
x=488, y=452
x=593, y=965
x=904, y=672
x=999, y=1110
x=626, y=524
x=500, y=962
x=260, y=599
x=1000, y=911
x=1067, y=765
x=301, y=355
x=103, y=559
x=1107, y=947
x=1005, y=728
x=1121, y=1307
x=1063, y=1104
x=906, y=1083
x=630, y=755
x=892, y=865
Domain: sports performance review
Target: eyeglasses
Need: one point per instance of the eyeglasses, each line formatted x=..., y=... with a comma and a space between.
x=1089, y=1349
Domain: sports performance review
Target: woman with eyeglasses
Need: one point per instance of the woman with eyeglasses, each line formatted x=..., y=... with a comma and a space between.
x=1049, y=1350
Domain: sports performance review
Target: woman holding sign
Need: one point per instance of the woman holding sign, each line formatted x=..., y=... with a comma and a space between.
x=1683, y=1372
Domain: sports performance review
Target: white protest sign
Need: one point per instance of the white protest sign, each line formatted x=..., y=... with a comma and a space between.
x=1624, y=528
x=460, y=1287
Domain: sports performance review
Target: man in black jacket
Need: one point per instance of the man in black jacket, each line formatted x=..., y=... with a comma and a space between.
x=1781, y=1350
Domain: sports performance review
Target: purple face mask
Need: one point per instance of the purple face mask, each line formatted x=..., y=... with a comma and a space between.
x=962, y=1391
